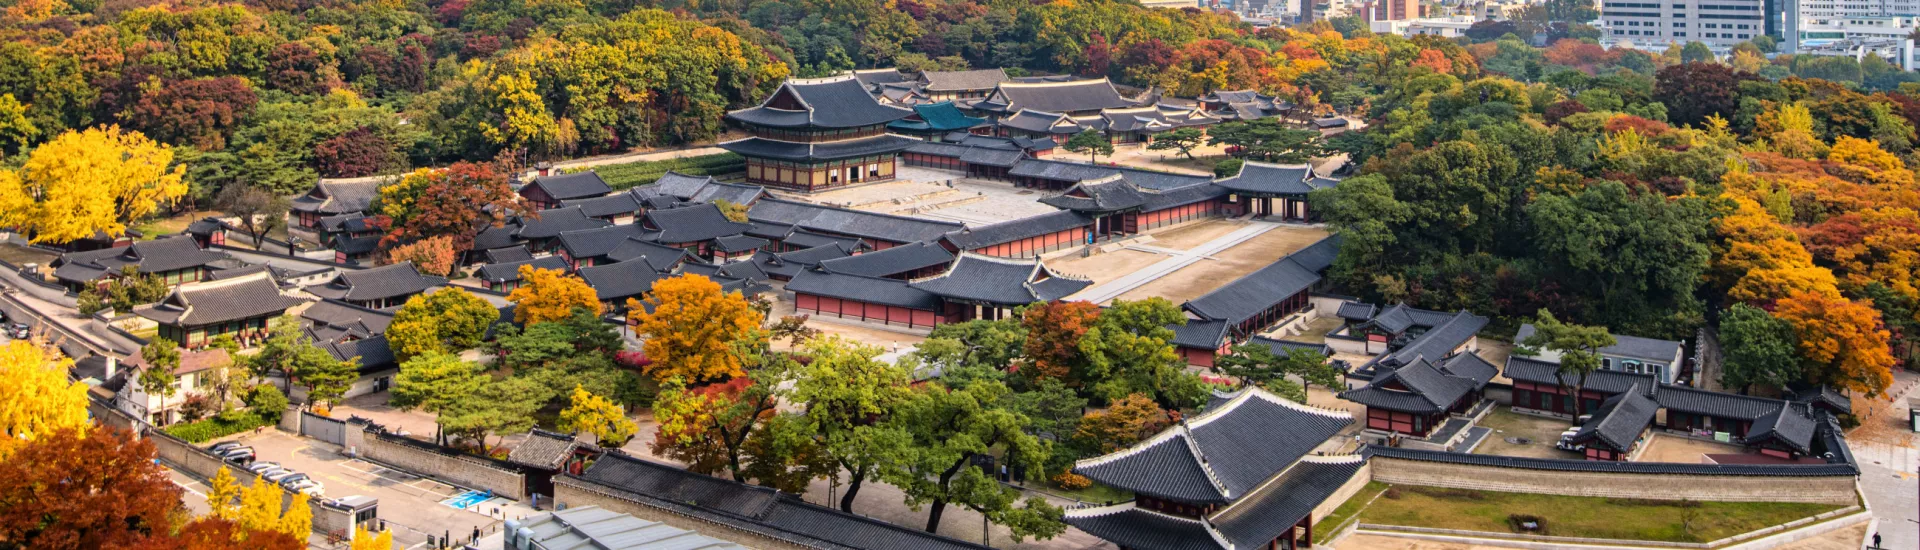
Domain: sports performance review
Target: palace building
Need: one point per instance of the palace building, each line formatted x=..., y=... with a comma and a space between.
x=819, y=134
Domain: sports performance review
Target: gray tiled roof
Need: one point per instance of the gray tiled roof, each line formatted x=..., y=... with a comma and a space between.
x=826, y=150
x=1080, y=95
x=842, y=221
x=692, y=224
x=554, y=221
x=1625, y=346
x=830, y=103
x=786, y=264
x=1220, y=455
x=1790, y=424
x=578, y=185
x=1619, y=421
x=387, y=281
x=873, y=290
x=992, y=157
x=1281, y=347
x=498, y=237
x=510, y=254
x=1439, y=341
x=1253, y=293
x=1271, y=179
x=155, y=256
x=208, y=302
x=1724, y=405
x=608, y=206
x=1427, y=390
x=1200, y=333
x=891, y=261
x=507, y=272
x=351, y=221
x=1824, y=395
x=1000, y=281
x=1109, y=194
x=338, y=197
x=1073, y=171
x=1668, y=468
x=1182, y=196
x=1524, y=369
x=738, y=243
x=1272, y=511
x=344, y=315
x=1356, y=311
x=357, y=245
x=1129, y=526
x=970, y=80
x=370, y=354
x=808, y=239
x=973, y=238
x=674, y=184
x=735, y=193
x=590, y=243
x=660, y=256
x=619, y=281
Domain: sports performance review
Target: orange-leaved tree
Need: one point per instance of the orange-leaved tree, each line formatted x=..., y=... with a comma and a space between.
x=1053, y=340
x=1123, y=423
x=434, y=255
x=1840, y=340
x=693, y=328
x=550, y=295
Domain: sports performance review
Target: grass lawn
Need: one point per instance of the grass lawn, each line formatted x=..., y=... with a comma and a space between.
x=157, y=227
x=1325, y=528
x=19, y=255
x=1626, y=519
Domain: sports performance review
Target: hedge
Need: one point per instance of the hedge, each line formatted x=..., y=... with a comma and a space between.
x=215, y=428
x=634, y=174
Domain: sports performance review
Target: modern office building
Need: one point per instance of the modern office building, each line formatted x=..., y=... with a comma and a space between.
x=1721, y=23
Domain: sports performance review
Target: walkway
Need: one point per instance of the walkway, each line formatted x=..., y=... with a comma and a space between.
x=1111, y=289
x=1889, y=458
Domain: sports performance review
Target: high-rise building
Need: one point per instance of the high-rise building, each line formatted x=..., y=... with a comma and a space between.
x=1821, y=22
x=1392, y=10
x=1713, y=22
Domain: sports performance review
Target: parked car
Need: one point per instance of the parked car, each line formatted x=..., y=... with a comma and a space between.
x=316, y=490
x=217, y=448
x=277, y=476
x=290, y=482
x=238, y=454
x=258, y=467
x=1566, y=444
x=276, y=470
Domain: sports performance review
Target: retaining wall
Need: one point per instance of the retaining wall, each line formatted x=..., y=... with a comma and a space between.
x=422, y=459
x=1824, y=489
x=573, y=492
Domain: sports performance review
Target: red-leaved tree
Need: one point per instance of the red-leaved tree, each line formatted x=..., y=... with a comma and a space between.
x=71, y=490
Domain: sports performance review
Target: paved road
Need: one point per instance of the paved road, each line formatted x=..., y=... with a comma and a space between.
x=1114, y=288
x=1890, y=468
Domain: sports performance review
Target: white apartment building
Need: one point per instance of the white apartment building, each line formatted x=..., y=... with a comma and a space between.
x=1654, y=24
x=1448, y=27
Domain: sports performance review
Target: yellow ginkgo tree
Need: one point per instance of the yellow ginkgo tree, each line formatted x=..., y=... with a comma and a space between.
x=37, y=398
x=599, y=416
x=87, y=182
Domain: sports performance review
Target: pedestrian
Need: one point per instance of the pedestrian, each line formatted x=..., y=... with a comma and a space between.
x=1876, y=540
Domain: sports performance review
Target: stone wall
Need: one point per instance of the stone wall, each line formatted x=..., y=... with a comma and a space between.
x=1340, y=496
x=201, y=464
x=421, y=459
x=1834, y=489
x=570, y=492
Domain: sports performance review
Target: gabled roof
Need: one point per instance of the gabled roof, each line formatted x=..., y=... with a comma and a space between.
x=1204, y=334
x=736, y=193
x=826, y=150
x=787, y=264
x=692, y=224
x=808, y=239
x=338, y=197
x=1652, y=349
x=1220, y=455
x=873, y=290
x=1253, y=293
x=611, y=205
x=554, y=221
x=1723, y=405
x=1073, y=171
x=1422, y=388
x=1043, y=122
x=510, y=254
x=590, y=243
x=577, y=185
x=1620, y=421
x=1824, y=396
x=956, y=81
x=844, y=221
x=1792, y=424
x=1078, y=95
x=1439, y=341
x=508, y=272
x=155, y=256
x=369, y=354
x=973, y=238
x=543, y=449
x=379, y=283
x=1400, y=317
x=619, y=281
x=1273, y=179
x=835, y=102
x=347, y=317
x=208, y=302
x=1272, y=510
x=1131, y=526
x=662, y=257
x=1526, y=369
x=976, y=278
x=905, y=258
x=674, y=184
x=349, y=222
x=490, y=238
x=1356, y=311
x=1112, y=193
x=889, y=75
x=354, y=246
x=738, y=243
x=721, y=272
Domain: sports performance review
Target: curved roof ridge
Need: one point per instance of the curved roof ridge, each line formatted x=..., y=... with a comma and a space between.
x=1145, y=444
x=1251, y=392
x=1334, y=459
x=1200, y=459
x=1046, y=83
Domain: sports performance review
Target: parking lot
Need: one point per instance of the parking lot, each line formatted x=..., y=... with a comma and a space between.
x=410, y=505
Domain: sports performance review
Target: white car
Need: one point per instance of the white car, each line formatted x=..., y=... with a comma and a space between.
x=258, y=467
x=278, y=475
x=310, y=487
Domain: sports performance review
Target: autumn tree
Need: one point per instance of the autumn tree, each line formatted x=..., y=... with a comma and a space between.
x=1053, y=333
x=83, y=183
x=37, y=399
x=1579, y=350
x=948, y=430
x=433, y=255
x=707, y=427
x=364, y=540
x=552, y=295
x=260, y=211
x=1841, y=343
x=457, y=202
x=1694, y=91
x=446, y=321
x=71, y=490
x=1089, y=142
x=1129, y=351
x=599, y=416
x=498, y=407
x=198, y=111
x=326, y=378
x=847, y=389
x=692, y=328
x=223, y=495
x=1123, y=423
x=214, y=533
x=356, y=153
x=1759, y=349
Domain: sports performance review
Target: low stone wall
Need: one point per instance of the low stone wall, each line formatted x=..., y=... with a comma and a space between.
x=1734, y=485
x=1340, y=496
x=425, y=459
x=572, y=492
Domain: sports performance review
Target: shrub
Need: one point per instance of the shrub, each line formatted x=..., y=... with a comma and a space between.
x=1071, y=481
x=267, y=401
x=1392, y=493
x=1519, y=524
x=216, y=427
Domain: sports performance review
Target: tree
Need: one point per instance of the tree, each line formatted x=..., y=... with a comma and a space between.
x=733, y=211
x=948, y=430
x=162, y=357
x=707, y=427
x=793, y=329
x=38, y=398
x=1129, y=352
x=1579, y=349
x=267, y=401
x=260, y=211
x=1696, y=52
x=1759, y=349
x=261, y=511
x=356, y=153
x=1182, y=140
x=846, y=389
x=1123, y=423
x=436, y=382
x=1841, y=343
x=447, y=321
x=1694, y=91
x=1268, y=139
x=363, y=540
x=213, y=533
x=433, y=255
x=552, y=295
x=298, y=519
x=1053, y=335
x=599, y=416
x=326, y=378
x=83, y=183
x=1258, y=365
x=982, y=346
x=222, y=494
x=199, y=111
x=692, y=327
x=97, y=489
x=1090, y=142
x=458, y=202
x=500, y=407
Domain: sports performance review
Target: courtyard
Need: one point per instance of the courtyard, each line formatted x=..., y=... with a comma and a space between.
x=938, y=195
x=1516, y=434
